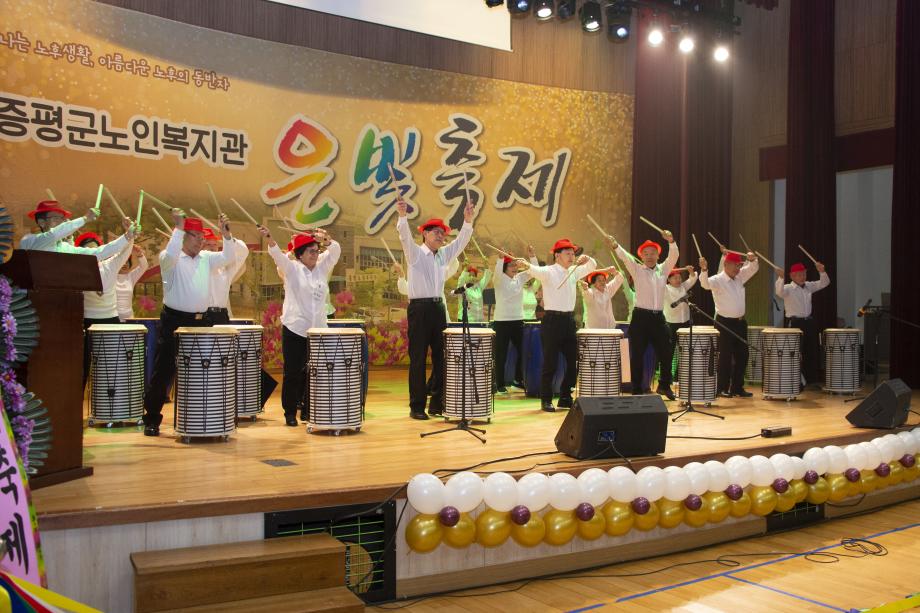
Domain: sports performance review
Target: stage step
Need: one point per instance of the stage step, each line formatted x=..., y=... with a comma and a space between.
x=329, y=600
x=221, y=574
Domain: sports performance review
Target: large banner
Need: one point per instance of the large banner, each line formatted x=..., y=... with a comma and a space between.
x=95, y=94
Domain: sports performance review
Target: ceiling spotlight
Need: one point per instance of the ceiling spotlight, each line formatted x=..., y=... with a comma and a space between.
x=618, y=22
x=518, y=7
x=566, y=9
x=655, y=36
x=544, y=9
x=590, y=14
x=720, y=54
x=686, y=44
x=494, y=3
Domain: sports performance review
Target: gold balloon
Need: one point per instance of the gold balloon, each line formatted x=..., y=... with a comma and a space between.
x=763, y=500
x=493, y=528
x=838, y=486
x=697, y=518
x=530, y=534
x=719, y=506
x=424, y=533
x=868, y=481
x=818, y=491
x=649, y=520
x=742, y=506
x=800, y=488
x=671, y=513
x=618, y=518
x=912, y=473
x=463, y=534
x=785, y=501
x=897, y=473
x=560, y=527
x=593, y=528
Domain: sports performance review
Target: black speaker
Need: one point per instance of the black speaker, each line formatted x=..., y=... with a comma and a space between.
x=636, y=425
x=886, y=407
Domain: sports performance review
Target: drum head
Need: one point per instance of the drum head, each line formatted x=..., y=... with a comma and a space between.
x=95, y=328
x=241, y=327
x=698, y=330
x=781, y=331
x=473, y=331
x=208, y=331
x=599, y=332
x=334, y=331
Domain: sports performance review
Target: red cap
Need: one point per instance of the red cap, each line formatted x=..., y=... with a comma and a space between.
x=209, y=235
x=433, y=223
x=300, y=240
x=646, y=245
x=731, y=256
x=507, y=260
x=563, y=243
x=675, y=271
x=48, y=206
x=797, y=267
x=473, y=270
x=88, y=236
x=193, y=225
x=592, y=276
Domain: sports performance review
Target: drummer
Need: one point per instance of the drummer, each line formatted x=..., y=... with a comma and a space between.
x=474, y=285
x=597, y=291
x=796, y=297
x=677, y=316
x=223, y=277
x=306, y=285
x=128, y=277
x=508, y=322
x=729, y=296
x=55, y=227
x=186, y=271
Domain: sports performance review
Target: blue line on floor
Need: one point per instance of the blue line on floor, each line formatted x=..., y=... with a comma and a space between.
x=790, y=594
x=588, y=608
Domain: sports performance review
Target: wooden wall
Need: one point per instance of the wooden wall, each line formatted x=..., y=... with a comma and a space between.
x=545, y=53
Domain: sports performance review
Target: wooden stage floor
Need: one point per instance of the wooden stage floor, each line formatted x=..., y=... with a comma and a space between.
x=140, y=479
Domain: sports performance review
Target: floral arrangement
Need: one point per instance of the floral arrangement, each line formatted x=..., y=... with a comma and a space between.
x=271, y=336
x=388, y=342
x=14, y=395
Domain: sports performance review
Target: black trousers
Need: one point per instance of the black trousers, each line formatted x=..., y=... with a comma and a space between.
x=673, y=328
x=427, y=321
x=86, y=347
x=649, y=327
x=811, y=349
x=733, y=355
x=557, y=332
x=295, y=386
x=164, y=361
x=221, y=317
x=508, y=332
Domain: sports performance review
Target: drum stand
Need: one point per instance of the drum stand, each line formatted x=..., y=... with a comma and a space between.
x=878, y=312
x=688, y=406
x=466, y=356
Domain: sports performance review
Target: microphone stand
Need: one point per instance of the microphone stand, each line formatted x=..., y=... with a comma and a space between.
x=466, y=352
x=878, y=312
x=688, y=405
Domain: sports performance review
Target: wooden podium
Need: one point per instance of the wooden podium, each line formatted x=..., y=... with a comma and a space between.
x=54, y=372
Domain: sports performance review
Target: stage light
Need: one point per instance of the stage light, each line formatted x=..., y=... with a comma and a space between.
x=566, y=9
x=494, y=3
x=544, y=9
x=655, y=36
x=518, y=7
x=686, y=44
x=590, y=14
x=618, y=22
x=720, y=54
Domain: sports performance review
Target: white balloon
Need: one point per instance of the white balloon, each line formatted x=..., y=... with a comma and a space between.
x=739, y=470
x=500, y=492
x=898, y=447
x=782, y=465
x=885, y=448
x=650, y=482
x=875, y=455
x=677, y=483
x=719, y=478
x=426, y=493
x=910, y=445
x=699, y=478
x=836, y=459
x=533, y=491
x=564, y=492
x=916, y=434
x=762, y=471
x=798, y=467
x=595, y=488
x=624, y=484
x=464, y=491
x=856, y=457
x=816, y=459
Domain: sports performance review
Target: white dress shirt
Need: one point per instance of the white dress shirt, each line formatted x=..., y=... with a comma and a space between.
x=54, y=240
x=797, y=298
x=728, y=293
x=305, y=290
x=509, y=293
x=223, y=277
x=649, y=282
x=530, y=302
x=124, y=288
x=428, y=270
x=104, y=304
x=187, y=280
x=680, y=313
x=557, y=298
x=599, y=305
x=402, y=284
x=475, y=309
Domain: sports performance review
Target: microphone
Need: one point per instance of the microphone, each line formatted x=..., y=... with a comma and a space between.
x=462, y=289
x=863, y=308
x=679, y=300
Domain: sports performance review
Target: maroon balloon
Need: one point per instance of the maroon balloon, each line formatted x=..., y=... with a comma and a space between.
x=520, y=515
x=693, y=502
x=449, y=516
x=852, y=475
x=641, y=505
x=584, y=511
x=883, y=470
x=811, y=477
x=780, y=485
x=734, y=491
x=907, y=460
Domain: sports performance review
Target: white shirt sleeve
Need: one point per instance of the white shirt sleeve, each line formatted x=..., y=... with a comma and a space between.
x=45, y=241
x=135, y=275
x=671, y=259
x=410, y=249
x=823, y=281
x=748, y=270
x=779, y=287
x=328, y=259
x=628, y=263
x=170, y=255
x=452, y=250
x=612, y=286
x=284, y=263
x=690, y=282
x=226, y=257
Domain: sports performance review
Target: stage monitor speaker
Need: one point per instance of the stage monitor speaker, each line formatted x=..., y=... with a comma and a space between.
x=636, y=425
x=886, y=407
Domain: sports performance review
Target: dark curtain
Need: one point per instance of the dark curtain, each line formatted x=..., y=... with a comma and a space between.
x=905, y=205
x=811, y=194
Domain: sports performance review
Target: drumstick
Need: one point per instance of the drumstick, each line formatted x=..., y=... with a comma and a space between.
x=50, y=193
x=99, y=198
x=810, y=256
x=654, y=227
x=504, y=253
x=764, y=258
x=475, y=244
x=214, y=199
x=204, y=219
x=744, y=242
x=466, y=187
x=158, y=201
x=140, y=209
x=599, y=228
x=569, y=274
x=721, y=246
x=114, y=202
x=163, y=233
x=245, y=212
x=156, y=214
x=696, y=242
x=392, y=257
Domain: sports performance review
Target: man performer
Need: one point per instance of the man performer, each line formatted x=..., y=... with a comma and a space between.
x=677, y=316
x=796, y=297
